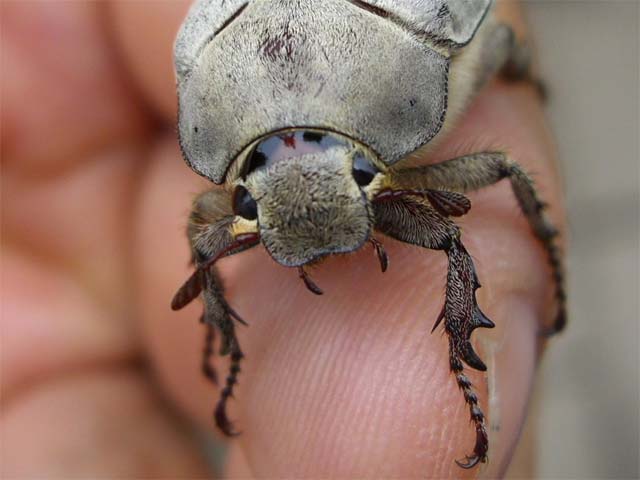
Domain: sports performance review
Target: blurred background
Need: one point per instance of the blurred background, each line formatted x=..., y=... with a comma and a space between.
x=586, y=411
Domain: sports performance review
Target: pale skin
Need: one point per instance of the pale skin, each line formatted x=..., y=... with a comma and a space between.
x=350, y=384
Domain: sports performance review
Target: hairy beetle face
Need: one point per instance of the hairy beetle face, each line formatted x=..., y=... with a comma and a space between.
x=308, y=191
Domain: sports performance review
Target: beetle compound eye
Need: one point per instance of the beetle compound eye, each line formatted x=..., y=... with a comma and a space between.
x=363, y=170
x=244, y=205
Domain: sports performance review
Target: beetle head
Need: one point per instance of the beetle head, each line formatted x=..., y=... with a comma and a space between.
x=310, y=194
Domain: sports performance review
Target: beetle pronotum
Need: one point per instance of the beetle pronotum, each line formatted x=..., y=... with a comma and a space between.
x=305, y=112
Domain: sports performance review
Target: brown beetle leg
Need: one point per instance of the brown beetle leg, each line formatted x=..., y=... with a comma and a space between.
x=220, y=413
x=218, y=311
x=461, y=316
x=308, y=282
x=383, y=258
x=208, y=369
x=475, y=171
x=212, y=236
x=190, y=290
x=415, y=221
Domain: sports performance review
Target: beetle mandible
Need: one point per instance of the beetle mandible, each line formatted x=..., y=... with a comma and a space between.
x=305, y=111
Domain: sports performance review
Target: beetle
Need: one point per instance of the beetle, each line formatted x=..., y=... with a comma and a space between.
x=309, y=112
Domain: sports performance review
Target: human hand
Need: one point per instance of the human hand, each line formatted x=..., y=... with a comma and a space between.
x=351, y=384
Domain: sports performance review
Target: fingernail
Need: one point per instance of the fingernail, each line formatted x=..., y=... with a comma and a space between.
x=510, y=354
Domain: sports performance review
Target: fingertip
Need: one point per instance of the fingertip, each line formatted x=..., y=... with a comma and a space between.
x=353, y=385
x=511, y=355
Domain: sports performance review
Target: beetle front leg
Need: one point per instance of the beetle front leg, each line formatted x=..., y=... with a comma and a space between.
x=414, y=221
x=218, y=313
x=475, y=171
x=206, y=365
x=214, y=232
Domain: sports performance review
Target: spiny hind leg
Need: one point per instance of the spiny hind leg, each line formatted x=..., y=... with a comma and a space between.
x=475, y=171
x=413, y=220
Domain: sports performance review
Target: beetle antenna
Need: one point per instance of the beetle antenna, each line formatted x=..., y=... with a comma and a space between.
x=309, y=283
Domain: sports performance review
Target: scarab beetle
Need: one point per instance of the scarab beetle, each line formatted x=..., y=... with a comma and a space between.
x=305, y=111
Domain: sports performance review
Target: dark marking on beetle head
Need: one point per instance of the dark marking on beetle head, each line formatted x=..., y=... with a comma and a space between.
x=278, y=46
